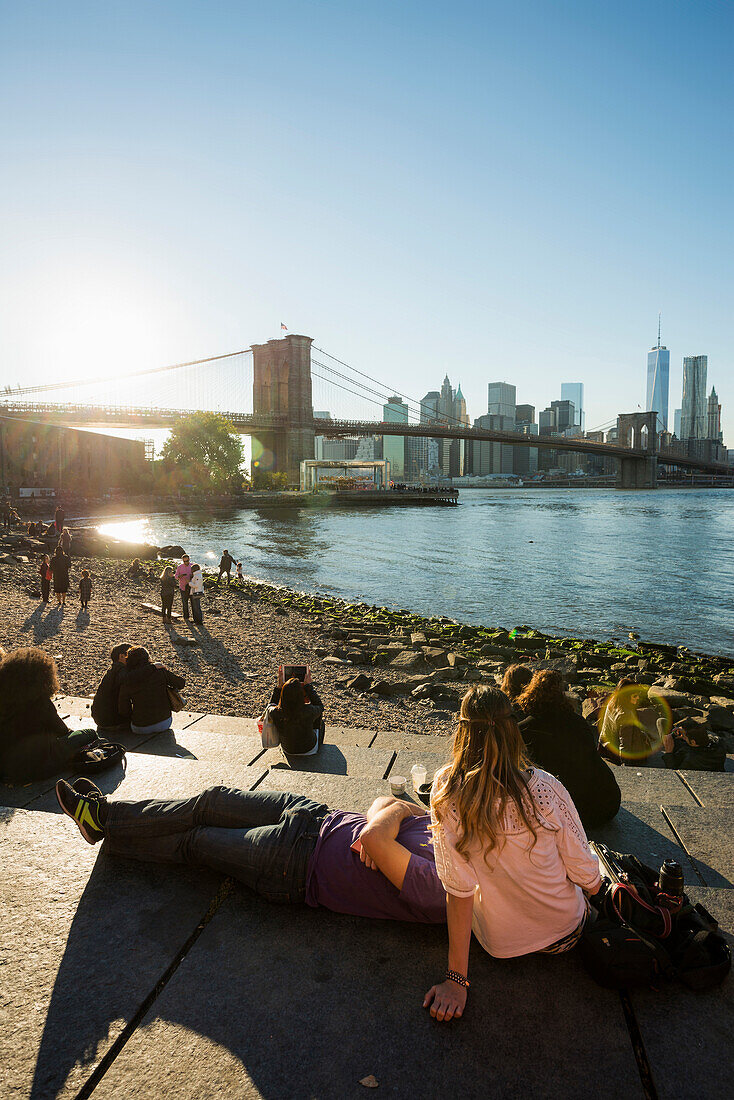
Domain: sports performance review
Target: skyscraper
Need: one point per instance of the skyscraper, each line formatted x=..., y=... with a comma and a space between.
x=574, y=392
x=658, y=377
x=501, y=399
x=677, y=422
x=714, y=417
x=393, y=446
x=694, y=416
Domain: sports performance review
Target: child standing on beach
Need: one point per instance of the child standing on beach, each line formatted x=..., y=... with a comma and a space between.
x=168, y=590
x=85, y=589
x=240, y=575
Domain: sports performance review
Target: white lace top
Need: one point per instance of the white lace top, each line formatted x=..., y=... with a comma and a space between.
x=525, y=898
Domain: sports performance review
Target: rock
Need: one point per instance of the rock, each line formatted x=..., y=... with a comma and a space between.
x=675, y=699
x=407, y=658
x=418, y=638
x=320, y=651
x=423, y=691
x=174, y=551
x=473, y=676
x=360, y=683
x=334, y=661
x=720, y=718
x=436, y=657
x=7, y=559
x=724, y=680
x=182, y=639
x=384, y=687
x=33, y=593
x=589, y=707
x=281, y=610
x=457, y=661
x=722, y=701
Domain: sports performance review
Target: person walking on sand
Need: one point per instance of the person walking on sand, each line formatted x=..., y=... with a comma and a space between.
x=183, y=576
x=197, y=591
x=60, y=565
x=168, y=591
x=85, y=589
x=225, y=566
x=65, y=541
x=44, y=572
x=59, y=517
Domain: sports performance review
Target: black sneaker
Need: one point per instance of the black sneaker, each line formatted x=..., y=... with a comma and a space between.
x=83, y=805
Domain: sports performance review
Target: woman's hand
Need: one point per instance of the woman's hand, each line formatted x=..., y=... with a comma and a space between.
x=447, y=1000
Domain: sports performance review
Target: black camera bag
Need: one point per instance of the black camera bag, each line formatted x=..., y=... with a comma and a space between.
x=636, y=942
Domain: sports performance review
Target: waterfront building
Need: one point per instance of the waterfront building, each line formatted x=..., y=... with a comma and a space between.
x=677, y=422
x=332, y=450
x=525, y=459
x=694, y=416
x=393, y=446
x=524, y=414
x=501, y=399
x=714, y=417
x=658, y=383
x=574, y=392
x=46, y=456
x=565, y=414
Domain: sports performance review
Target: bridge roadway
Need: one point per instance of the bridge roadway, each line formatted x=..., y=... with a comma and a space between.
x=249, y=423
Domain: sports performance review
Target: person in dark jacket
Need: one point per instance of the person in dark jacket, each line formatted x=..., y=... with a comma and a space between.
x=561, y=742
x=34, y=741
x=297, y=715
x=85, y=589
x=225, y=567
x=690, y=747
x=60, y=565
x=106, y=703
x=169, y=584
x=144, y=692
x=65, y=541
x=59, y=517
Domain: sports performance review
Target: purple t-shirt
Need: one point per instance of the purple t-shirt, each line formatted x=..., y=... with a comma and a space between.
x=338, y=880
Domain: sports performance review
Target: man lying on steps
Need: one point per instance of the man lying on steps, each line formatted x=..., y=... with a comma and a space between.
x=284, y=846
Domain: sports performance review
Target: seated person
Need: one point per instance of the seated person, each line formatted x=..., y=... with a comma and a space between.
x=515, y=680
x=106, y=703
x=284, y=846
x=34, y=741
x=297, y=713
x=691, y=747
x=143, y=693
x=561, y=742
x=629, y=731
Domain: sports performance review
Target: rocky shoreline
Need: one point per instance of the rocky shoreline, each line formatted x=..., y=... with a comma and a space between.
x=374, y=667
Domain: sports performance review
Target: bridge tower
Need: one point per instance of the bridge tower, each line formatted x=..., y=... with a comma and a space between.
x=638, y=431
x=282, y=388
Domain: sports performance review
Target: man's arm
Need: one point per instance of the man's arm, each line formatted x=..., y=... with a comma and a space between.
x=379, y=840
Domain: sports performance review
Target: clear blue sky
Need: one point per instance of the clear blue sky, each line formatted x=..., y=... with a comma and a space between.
x=497, y=191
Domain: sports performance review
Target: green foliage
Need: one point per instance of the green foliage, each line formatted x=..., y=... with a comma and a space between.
x=205, y=451
x=264, y=479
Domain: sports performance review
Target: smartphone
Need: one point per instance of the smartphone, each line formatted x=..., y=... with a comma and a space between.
x=294, y=671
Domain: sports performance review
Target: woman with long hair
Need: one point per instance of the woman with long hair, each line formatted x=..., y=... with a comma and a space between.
x=564, y=744
x=297, y=713
x=510, y=849
x=515, y=680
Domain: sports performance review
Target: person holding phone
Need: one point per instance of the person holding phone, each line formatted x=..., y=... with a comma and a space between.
x=297, y=712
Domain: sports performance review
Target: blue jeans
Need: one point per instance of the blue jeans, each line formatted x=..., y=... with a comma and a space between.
x=262, y=838
x=157, y=727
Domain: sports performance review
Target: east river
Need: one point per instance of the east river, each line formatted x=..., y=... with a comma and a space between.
x=594, y=563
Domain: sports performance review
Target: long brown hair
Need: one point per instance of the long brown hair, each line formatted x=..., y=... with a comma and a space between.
x=544, y=695
x=515, y=680
x=291, y=705
x=488, y=771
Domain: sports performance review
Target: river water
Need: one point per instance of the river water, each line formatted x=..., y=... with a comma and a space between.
x=594, y=563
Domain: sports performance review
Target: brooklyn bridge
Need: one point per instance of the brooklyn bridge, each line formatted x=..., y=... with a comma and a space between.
x=268, y=391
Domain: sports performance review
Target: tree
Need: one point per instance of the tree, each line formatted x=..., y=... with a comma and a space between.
x=204, y=450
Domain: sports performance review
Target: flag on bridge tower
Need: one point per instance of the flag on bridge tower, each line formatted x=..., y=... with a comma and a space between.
x=283, y=327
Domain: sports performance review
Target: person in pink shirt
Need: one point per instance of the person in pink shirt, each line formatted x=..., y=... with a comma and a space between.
x=510, y=849
x=183, y=576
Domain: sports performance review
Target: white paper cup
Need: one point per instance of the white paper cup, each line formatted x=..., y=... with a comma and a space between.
x=419, y=774
x=397, y=785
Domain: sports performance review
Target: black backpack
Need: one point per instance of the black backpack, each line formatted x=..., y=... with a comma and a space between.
x=632, y=940
x=98, y=756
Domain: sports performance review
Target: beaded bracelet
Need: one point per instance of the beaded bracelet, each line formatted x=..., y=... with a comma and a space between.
x=455, y=976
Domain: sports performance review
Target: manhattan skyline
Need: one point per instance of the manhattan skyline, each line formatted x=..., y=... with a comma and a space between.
x=436, y=188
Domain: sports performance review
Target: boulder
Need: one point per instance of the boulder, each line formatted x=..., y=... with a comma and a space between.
x=384, y=687
x=722, y=701
x=334, y=661
x=723, y=680
x=407, y=659
x=719, y=718
x=457, y=661
x=182, y=639
x=418, y=638
x=674, y=698
x=438, y=658
x=360, y=683
x=174, y=551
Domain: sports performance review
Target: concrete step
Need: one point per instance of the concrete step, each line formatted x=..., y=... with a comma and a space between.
x=338, y=792
x=332, y=760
